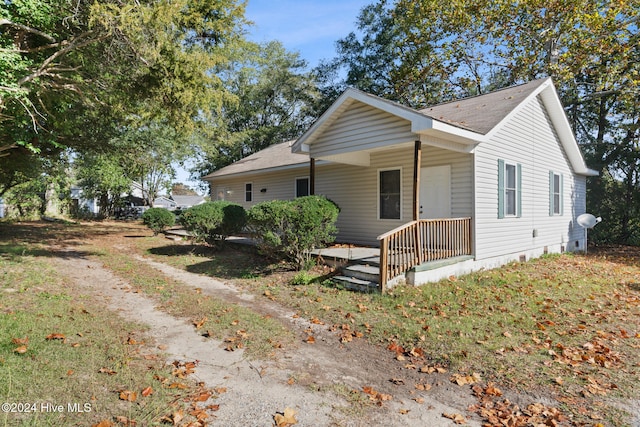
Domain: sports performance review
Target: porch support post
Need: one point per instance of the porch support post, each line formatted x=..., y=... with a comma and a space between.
x=417, y=162
x=312, y=176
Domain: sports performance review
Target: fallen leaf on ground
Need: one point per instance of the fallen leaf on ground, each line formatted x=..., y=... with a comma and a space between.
x=20, y=350
x=20, y=341
x=103, y=423
x=285, y=419
x=457, y=418
x=128, y=395
x=461, y=379
x=199, y=323
x=55, y=337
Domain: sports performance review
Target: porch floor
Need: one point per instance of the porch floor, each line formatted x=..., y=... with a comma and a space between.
x=341, y=255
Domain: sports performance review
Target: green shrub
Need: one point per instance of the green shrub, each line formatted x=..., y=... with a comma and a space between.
x=291, y=229
x=158, y=219
x=213, y=222
x=302, y=278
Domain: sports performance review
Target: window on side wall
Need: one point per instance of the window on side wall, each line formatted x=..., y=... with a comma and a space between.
x=389, y=192
x=509, y=189
x=555, y=193
x=248, y=192
x=302, y=187
x=221, y=194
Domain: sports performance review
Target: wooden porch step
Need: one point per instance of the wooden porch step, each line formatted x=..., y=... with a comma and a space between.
x=370, y=273
x=356, y=284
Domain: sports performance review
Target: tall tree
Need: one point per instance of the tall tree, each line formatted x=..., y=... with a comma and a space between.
x=275, y=100
x=147, y=155
x=65, y=63
x=433, y=51
x=102, y=177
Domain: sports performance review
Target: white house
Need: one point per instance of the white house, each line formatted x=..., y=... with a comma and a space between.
x=448, y=189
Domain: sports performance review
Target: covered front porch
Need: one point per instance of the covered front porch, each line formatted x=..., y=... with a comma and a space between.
x=438, y=226
x=404, y=181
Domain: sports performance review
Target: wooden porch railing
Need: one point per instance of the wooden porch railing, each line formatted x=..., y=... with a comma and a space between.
x=422, y=241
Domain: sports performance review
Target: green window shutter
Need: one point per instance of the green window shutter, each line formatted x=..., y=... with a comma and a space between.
x=519, y=196
x=551, y=206
x=500, y=188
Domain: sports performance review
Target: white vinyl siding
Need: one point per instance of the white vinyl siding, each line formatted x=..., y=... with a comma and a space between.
x=527, y=139
x=280, y=185
x=359, y=128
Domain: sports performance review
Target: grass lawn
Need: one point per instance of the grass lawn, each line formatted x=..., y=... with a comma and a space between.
x=66, y=360
x=566, y=328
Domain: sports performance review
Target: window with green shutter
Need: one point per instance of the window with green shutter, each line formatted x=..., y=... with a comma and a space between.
x=509, y=189
x=555, y=194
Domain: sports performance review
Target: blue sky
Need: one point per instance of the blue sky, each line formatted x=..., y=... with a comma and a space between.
x=309, y=27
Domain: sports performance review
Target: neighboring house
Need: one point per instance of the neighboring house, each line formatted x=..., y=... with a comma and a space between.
x=184, y=202
x=164, y=202
x=477, y=182
x=1, y=208
x=81, y=205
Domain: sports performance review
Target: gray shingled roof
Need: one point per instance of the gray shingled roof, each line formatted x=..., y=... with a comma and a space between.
x=479, y=114
x=187, y=200
x=483, y=112
x=277, y=155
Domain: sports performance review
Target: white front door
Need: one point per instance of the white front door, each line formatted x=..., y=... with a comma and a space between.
x=435, y=192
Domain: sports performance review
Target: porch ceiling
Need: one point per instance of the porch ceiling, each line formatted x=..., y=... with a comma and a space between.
x=361, y=157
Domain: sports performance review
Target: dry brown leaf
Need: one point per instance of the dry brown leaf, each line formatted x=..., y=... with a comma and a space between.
x=457, y=418
x=285, y=419
x=128, y=395
x=55, y=336
x=461, y=379
x=202, y=397
x=199, y=323
x=20, y=350
x=147, y=391
x=20, y=341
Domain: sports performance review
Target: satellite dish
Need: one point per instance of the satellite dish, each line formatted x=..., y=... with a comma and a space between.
x=587, y=220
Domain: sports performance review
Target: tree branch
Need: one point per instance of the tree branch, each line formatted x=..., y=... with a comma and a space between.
x=4, y=22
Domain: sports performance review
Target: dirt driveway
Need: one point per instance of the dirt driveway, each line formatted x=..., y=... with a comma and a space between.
x=255, y=390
